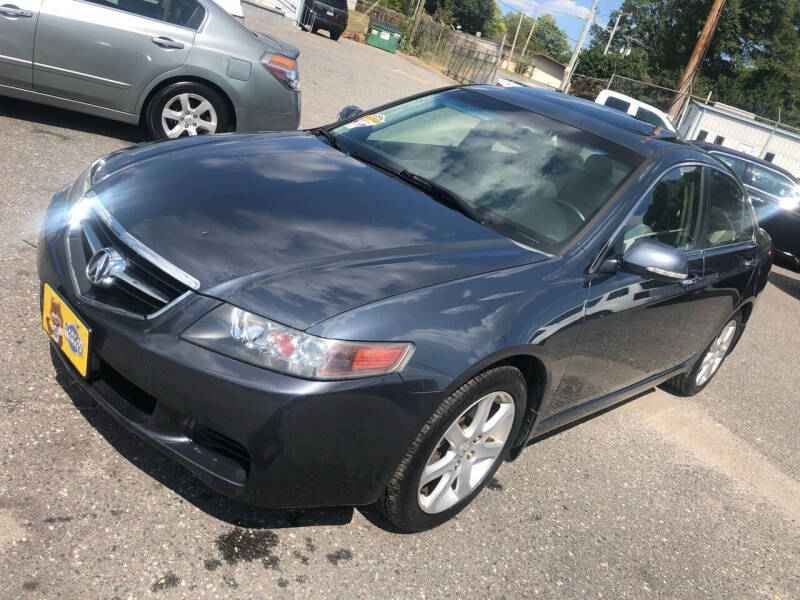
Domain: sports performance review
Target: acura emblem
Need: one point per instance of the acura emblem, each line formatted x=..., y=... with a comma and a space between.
x=104, y=265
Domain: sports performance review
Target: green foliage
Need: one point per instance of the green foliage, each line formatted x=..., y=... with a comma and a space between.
x=548, y=38
x=495, y=28
x=753, y=61
x=472, y=15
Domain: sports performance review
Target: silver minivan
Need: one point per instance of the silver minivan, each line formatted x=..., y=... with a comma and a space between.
x=180, y=67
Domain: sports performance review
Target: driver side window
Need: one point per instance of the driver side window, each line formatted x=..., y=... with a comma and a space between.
x=669, y=213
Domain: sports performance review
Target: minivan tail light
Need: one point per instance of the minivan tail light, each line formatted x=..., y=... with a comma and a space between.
x=284, y=69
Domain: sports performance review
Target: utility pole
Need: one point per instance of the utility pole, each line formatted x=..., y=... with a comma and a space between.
x=568, y=71
x=514, y=43
x=530, y=33
x=699, y=53
x=620, y=14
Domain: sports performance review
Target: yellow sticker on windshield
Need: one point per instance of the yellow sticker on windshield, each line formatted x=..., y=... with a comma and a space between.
x=367, y=121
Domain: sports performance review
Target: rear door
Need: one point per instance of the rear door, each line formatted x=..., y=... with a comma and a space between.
x=730, y=252
x=17, y=31
x=105, y=52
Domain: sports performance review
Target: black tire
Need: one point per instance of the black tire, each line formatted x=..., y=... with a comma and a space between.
x=335, y=36
x=400, y=502
x=685, y=384
x=166, y=94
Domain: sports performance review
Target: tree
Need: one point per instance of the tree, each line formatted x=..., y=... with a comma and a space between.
x=472, y=15
x=753, y=61
x=496, y=27
x=548, y=38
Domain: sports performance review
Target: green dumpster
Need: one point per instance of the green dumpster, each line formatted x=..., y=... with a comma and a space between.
x=383, y=35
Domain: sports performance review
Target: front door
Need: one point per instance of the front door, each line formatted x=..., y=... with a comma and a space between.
x=17, y=31
x=634, y=325
x=106, y=52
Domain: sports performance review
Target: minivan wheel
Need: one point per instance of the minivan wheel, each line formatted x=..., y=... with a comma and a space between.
x=707, y=366
x=186, y=109
x=456, y=451
x=335, y=36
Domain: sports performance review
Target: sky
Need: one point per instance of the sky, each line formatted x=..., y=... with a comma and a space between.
x=570, y=14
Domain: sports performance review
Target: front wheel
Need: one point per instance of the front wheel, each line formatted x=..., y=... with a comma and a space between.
x=185, y=110
x=457, y=451
x=693, y=382
x=335, y=36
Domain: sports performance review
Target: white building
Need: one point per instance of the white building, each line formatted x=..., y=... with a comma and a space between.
x=739, y=130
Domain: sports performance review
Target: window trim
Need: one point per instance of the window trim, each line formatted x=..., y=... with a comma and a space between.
x=161, y=21
x=609, y=245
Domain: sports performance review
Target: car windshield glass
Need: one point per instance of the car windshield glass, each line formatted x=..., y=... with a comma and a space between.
x=528, y=176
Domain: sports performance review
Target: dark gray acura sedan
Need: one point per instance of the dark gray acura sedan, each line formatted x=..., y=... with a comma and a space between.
x=385, y=309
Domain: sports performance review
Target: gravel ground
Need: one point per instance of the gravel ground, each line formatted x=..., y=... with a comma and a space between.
x=660, y=498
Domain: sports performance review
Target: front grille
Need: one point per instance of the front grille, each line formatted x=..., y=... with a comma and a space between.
x=145, y=286
x=221, y=444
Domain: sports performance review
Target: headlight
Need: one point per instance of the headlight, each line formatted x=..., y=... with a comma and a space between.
x=247, y=337
x=283, y=69
x=85, y=182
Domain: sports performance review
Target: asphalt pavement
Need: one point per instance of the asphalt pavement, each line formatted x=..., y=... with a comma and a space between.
x=663, y=497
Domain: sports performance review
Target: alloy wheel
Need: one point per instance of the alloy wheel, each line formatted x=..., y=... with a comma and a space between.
x=716, y=354
x=188, y=115
x=466, y=453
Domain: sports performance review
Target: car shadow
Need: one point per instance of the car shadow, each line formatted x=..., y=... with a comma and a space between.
x=66, y=119
x=789, y=285
x=180, y=481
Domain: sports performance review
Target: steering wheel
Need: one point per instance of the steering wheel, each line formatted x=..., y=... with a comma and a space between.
x=572, y=209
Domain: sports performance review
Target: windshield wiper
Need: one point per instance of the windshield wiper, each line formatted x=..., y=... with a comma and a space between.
x=436, y=191
x=442, y=194
x=322, y=132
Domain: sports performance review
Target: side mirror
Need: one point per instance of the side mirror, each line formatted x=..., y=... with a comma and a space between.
x=655, y=260
x=349, y=112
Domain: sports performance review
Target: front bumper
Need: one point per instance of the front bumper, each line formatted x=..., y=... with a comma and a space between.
x=254, y=435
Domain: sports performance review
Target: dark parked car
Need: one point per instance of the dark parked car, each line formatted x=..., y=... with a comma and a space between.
x=775, y=194
x=385, y=309
x=330, y=16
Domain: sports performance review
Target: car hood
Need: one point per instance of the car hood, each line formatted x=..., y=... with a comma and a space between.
x=288, y=227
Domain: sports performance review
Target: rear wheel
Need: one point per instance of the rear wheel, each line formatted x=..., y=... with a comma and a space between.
x=335, y=36
x=185, y=110
x=703, y=371
x=457, y=451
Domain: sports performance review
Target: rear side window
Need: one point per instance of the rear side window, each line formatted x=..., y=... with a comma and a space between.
x=184, y=13
x=669, y=213
x=729, y=216
x=613, y=102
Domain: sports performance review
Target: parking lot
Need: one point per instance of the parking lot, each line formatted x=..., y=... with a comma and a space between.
x=663, y=497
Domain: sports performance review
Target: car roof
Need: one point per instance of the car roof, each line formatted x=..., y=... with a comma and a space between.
x=709, y=147
x=608, y=123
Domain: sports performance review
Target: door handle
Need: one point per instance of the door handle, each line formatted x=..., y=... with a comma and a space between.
x=9, y=10
x=166, y=42
x=690, y=281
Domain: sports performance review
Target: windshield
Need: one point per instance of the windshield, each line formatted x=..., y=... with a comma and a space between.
x=523, y=174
